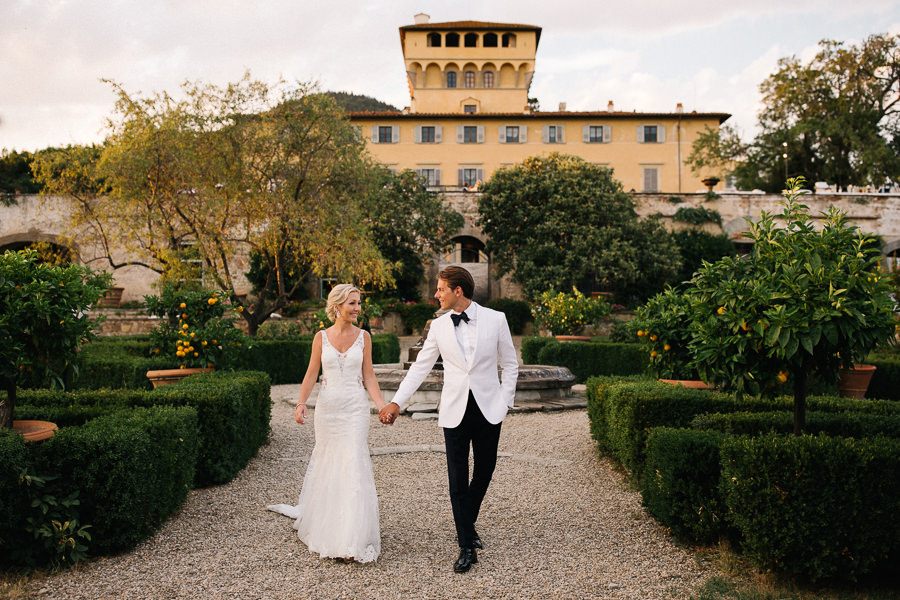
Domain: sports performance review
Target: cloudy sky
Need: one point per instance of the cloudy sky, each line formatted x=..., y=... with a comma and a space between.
x=645, y=55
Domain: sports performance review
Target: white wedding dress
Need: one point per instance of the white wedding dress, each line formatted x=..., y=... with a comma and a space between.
x=337, y=513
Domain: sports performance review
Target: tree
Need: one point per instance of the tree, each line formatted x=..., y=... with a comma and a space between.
x=15, y=175
x=410, y=224
x=557, y=222
x=836, y=119
x=806, y=301
x=43, y=322
x=224, y=172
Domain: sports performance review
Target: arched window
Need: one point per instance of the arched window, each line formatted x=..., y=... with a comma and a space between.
x=509, y=40
x=488, y=79
x=451, y=79
x=489, y=40
x=467, y=250
x=452, y=40
x=434, y=40
x=470, y=79
x=471, y=40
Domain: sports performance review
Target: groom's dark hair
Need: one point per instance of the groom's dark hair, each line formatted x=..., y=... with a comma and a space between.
x=458, y=277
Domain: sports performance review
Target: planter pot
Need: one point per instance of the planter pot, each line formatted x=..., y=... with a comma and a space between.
x=689, y=383
x=572, y=338
x=854, y=382
x=167, y=376
x=112, y=297
x=377, y=322
x=35, y=431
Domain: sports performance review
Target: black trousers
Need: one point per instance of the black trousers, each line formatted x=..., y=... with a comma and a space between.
x=466, y=496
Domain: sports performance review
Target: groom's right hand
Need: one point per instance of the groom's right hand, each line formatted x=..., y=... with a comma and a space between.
x=389, y=413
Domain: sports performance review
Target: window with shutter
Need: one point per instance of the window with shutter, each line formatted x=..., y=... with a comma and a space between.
x=651, y=180
x=395, y=134
x=470, y=134
x=385, y=134
x=426, y=135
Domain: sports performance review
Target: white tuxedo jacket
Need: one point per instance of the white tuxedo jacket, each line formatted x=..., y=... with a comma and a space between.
x=494, y=393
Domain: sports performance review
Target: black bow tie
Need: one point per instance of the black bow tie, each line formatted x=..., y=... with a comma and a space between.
x=460, y=317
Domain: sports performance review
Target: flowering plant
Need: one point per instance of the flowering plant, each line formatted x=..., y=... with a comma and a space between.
x=195, y=332
x=568, y=314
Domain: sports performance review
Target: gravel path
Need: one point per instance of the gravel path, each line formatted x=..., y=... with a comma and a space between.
x=557, y=523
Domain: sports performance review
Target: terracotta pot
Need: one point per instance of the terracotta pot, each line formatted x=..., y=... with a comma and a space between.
x=689, y=383
x=167, y=376
x=854, y=382
x=377, y=322
x=572, y=338
x=35, y=431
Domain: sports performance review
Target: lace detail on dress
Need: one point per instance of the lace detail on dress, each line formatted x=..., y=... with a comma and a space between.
x=342, y=356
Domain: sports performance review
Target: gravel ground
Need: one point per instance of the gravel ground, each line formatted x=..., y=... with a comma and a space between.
x=557, y=523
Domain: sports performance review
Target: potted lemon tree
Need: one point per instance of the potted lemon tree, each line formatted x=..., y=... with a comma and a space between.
x=809, y=299
x=567, y=315
x=43, y=323
x=196, y=332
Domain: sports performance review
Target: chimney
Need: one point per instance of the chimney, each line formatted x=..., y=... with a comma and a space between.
x=562, y=107
x=422, y=19
x=610, y=107
x=679, y=108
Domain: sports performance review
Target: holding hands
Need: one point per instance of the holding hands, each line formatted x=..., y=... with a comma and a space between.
x=389, y=413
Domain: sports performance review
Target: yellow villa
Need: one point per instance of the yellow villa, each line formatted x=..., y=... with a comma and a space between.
x=469, y=115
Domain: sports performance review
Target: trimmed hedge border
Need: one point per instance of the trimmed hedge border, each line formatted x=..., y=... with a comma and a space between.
x=586, y=359
x=131, y=455
x=113, y=362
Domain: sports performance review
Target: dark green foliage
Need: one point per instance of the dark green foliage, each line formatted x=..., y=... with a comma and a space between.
x=596, y=391
x=385, y=349
x=416, y=315
x=234, y=411
x=681, y=482
x=816, y=506
x=16, y=176
x=531, y=348
x=886, y=378
x=14, y=500
x=131, y=470
x=632, y=409
x=695, y=246
x=556, y=222
x=285, y=361
x=107, y=362
x=518, y=313
x=845, y=423
x=586, y=359
x=697, y=216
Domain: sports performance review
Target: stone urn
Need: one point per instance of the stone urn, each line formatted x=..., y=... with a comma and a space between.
x=169, y=376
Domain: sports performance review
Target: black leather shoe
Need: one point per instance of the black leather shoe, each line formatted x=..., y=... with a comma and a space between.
x=467, y=558
x=476, y=541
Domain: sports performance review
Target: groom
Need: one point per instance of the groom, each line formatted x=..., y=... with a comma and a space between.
x=474, y=400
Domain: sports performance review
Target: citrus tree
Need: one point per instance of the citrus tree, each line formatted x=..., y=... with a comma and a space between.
x=43, y=322
x=662, y=326
x=807, y=300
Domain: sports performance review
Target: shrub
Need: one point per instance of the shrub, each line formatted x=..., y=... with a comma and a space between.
x=569, y=314
x=518, y=313
x=587, y=359
x=234, y=411
x=633, y=408
x=385, y=349
x=531, y=348
x=681, y=482
x=845, y=424
x=119, y=366
x=415, y=316
x=886, y=378
x=819, y=507
x=131, y=470
x=596, y=389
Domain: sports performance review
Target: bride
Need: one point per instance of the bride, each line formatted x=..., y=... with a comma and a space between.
x=337, y=513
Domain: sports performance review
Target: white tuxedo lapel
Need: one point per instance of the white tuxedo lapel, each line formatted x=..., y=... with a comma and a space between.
x=450, y=350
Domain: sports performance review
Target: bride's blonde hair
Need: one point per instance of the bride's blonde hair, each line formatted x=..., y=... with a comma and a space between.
x=337, y=296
